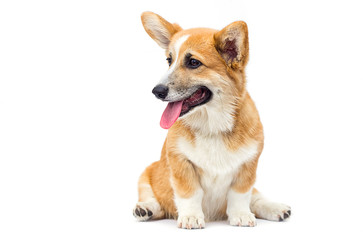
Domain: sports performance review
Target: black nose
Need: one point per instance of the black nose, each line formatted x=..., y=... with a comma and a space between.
x=160, y=91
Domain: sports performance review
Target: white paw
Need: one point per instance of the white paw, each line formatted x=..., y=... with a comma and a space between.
x=243, y=219
x=191, y=222
x=279, y=211
x=272, y=211
x=144, y=211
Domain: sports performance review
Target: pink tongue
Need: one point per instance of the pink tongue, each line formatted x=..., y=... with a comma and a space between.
x=171, y=114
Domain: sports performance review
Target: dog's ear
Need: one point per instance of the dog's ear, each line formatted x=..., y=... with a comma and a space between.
x=159, y=29
x=232, y=44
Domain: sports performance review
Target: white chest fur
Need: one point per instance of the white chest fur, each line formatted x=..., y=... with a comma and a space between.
x=219, y=164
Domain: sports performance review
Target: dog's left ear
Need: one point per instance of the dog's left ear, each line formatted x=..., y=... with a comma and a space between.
x=232, y=44
x=159, y=29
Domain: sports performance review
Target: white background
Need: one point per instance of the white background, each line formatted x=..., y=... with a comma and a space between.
x=78, y=122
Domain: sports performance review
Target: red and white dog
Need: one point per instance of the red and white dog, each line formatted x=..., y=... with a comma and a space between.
x=208, y=162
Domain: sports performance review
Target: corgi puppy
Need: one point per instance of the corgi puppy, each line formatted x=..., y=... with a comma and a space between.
x=208, y=163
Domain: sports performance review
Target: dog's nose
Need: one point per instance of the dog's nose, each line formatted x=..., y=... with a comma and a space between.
x=160, y=91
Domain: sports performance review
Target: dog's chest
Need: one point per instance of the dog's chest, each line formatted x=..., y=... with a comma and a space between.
x=213, y=157
x=219, y=167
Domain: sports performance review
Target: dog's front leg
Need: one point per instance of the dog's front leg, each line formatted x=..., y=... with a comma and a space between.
x=190, y=214
x=239, y=197
x=187, y=192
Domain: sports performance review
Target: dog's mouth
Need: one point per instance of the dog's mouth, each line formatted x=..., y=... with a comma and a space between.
x=174, y=110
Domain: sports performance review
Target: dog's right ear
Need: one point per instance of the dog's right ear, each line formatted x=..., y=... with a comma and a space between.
x=159, y=29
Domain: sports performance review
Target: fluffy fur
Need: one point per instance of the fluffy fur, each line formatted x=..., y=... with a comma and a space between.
x=208, y=163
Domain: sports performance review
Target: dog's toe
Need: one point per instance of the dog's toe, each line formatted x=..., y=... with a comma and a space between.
x=141, y=213
x=285, y=214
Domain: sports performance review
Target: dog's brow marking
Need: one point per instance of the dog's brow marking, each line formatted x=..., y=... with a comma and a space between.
x=177, y=46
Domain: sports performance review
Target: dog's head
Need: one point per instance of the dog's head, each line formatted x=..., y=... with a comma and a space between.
x=205, y=79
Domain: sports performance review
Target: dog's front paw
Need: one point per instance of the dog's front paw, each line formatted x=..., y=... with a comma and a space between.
x=243, y=219
x=191, y=222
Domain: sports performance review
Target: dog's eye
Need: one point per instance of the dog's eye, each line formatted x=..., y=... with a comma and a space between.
x=169, y=60
x=193, y=63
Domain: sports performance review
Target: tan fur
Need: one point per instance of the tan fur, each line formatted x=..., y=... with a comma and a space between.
x=175, y=174
x=171, y=29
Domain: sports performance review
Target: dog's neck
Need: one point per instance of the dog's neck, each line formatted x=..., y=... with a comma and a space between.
x=216, y=118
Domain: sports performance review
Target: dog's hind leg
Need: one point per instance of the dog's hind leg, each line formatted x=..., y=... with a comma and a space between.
x=147, y=207
x=266, y=209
